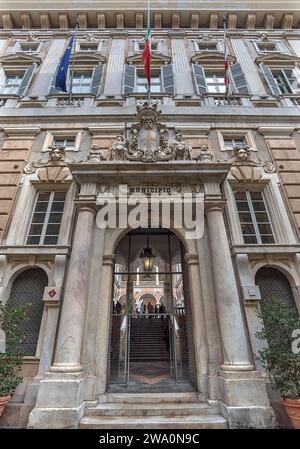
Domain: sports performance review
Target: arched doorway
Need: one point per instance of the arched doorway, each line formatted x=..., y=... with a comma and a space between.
x=28, y=288
x=151, y=345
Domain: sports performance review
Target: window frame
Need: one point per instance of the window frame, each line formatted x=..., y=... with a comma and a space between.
x=12, y=73
x=253, y=216
x=157, y=74
x=53, y=134
x=46, y=219
x=215, y=75
x=246, y=135
x=198, y=49
x=263, y=52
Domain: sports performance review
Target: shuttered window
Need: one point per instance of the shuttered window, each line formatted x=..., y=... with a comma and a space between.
x=168, y=82
x=11, y=84
x=46, y=218
x=135, y=81
x=199, y=79
x=239, y=79
x=84, y=82
x=254, y=218
x=283, y=81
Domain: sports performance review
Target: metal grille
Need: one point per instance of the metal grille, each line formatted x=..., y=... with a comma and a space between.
x=28, y=288
x=272, y=283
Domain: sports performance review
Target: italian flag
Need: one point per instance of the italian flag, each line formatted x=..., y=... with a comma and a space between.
x=146, y=55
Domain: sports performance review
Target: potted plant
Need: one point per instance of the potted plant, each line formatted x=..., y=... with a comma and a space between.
x=279, y=357
x=10, y=356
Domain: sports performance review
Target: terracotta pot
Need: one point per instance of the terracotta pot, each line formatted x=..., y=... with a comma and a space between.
x=292, y=407
x=3, y=401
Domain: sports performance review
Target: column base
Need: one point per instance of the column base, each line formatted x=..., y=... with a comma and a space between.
x=59, y=403
x=244, y=400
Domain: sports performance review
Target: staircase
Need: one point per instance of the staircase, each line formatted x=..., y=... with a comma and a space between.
x=152, y=411
x=147, y=342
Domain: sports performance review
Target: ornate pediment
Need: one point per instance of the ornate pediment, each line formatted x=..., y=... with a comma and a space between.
x=53, y=170
x=211, y=58
x=246, y=169
x=278, y=59
x=19, y=59
x=155, y=57
x=88, y=58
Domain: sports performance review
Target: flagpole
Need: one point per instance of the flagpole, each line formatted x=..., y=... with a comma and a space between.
x=72, y=68
x=226, y=74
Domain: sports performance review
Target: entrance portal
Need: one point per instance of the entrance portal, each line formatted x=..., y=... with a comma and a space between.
x=151, y=346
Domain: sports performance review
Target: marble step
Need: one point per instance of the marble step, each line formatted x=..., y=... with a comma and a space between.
x=166, y=410
x=154, y=422
x=150, y=398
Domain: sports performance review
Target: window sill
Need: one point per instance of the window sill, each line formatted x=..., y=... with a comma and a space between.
x=48, y=250
x=270, y=248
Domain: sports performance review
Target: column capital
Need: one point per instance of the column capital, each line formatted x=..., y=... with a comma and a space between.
x=85, y=206
x=109, y=259
x=191, y=259
x=212, y=205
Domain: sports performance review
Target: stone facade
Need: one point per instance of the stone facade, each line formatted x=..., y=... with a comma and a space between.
x=192, y=138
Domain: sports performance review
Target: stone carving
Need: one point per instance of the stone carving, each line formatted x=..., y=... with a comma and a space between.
x=245, y=169
x=205, y=155
x=181, y=150
x=117, y=151
x=95, y=155
x=54, y=169
x=149, y=140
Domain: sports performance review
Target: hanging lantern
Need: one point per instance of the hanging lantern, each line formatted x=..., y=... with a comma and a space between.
x=147, y=258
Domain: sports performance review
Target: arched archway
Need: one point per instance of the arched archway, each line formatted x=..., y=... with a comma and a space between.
x=28, y=288
x=155, y=336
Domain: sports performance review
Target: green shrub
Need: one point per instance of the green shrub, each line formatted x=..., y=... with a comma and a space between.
x=11, y=359
x=282, y=365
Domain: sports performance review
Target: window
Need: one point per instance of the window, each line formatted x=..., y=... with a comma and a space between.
x=232, y=142
x=11, y=83
x=64, y=141
x=88, y=46
x=29, y=47
x=142, y=83
x=206, y=46
x=46, y=219
x=141, y=46
x=254, y=218
x=215, y=82
x=266, y=47
x=285, y=80
x=82, y=82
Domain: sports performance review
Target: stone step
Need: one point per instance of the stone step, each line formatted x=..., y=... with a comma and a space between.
x=163, y=409
x=154, y=422
x=150, y=398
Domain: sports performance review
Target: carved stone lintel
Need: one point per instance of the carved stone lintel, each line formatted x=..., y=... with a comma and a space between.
x=54, y=169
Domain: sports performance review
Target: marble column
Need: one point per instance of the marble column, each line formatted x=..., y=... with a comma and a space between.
x=199, y=326
x=104, y=320
x=70, y=336
x=233, y=338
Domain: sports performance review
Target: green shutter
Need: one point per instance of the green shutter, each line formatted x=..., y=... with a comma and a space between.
x=26, y=80
x=129, y=79
x=97, y=79
x=270, y=80
x=167, y=75
x=199, y=79
x=239, y=79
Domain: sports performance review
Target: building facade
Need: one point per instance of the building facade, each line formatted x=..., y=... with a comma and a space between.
x=100, y=350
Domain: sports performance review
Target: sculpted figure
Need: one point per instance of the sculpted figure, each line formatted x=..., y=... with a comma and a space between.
x=181, y=150
x=117, y=151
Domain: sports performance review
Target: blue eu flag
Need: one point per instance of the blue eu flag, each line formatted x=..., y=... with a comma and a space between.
x=62, y=71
